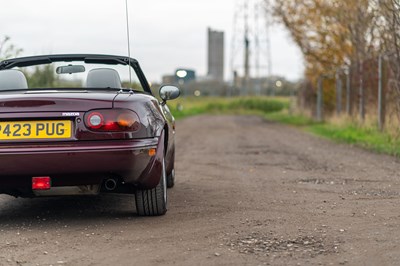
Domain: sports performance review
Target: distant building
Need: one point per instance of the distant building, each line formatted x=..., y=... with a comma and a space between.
x=216, y=55
x=183, y=75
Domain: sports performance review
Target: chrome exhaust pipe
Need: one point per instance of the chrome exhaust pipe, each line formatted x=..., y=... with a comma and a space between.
x=110, y=184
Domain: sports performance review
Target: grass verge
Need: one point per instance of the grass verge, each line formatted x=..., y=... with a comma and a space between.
x=247, y=105
x=367, y=137
x=276, y=109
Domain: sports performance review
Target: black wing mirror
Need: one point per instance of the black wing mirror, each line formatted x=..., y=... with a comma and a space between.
x=169, y=93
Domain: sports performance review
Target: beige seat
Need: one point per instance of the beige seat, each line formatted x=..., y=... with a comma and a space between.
x=12, y=79
x=103, y=78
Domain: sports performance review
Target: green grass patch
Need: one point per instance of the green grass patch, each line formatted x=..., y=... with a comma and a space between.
x=276, y=109
x=291, y=119
x=370, y=138
x=247, y=105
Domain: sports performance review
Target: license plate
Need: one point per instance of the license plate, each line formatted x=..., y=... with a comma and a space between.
x=35, y=130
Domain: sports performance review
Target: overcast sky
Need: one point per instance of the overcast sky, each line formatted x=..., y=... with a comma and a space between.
x=165, y=34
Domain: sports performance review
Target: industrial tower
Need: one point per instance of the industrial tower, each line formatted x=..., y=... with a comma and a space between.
x=251, y=46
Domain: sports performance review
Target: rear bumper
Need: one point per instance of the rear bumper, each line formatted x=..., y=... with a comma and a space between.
x=78, y=163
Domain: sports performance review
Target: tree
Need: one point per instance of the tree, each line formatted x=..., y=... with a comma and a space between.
x=390, y=23
x=332, y=34
x=42, y=77
x=7, y=49
x=389, y=11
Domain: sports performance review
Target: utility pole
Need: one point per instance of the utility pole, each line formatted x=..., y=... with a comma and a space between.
x=246, y=49
x=268, y=22
x=257, y=84
x=251, y=45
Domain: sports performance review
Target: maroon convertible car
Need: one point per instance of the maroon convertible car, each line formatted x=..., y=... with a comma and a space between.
x=69, y=127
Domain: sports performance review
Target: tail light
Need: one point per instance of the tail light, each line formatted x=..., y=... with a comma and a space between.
x=114, y=120
x=41, y=183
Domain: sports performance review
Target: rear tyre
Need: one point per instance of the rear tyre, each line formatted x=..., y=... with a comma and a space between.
x=171, y=179
x=171, y=176
x=153, y=202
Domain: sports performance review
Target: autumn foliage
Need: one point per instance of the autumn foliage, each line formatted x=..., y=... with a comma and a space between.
x=338, y=34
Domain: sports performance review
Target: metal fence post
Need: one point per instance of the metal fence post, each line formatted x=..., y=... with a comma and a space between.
x=320, y=99
x=348, y=91
x=338, y=93
x=361, y=91
x=380, y=88
x=292, y=101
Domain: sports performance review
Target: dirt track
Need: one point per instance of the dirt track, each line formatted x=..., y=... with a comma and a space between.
x=248, y=192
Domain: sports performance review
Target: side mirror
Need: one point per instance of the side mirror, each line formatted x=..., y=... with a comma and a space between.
x=169, y=93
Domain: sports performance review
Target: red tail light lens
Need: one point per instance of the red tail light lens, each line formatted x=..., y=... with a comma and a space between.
x=41, y=183
x=112, y=120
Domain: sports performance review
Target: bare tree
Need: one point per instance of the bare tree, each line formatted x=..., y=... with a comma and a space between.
x=7, y=49
x=390, y=46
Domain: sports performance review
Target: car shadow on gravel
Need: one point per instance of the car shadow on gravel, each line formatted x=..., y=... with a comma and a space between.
x=77, y=208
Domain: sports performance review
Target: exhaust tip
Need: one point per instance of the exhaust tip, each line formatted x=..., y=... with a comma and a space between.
x=110, y=184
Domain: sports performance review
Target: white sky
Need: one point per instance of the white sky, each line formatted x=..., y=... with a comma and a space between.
x=165, y=34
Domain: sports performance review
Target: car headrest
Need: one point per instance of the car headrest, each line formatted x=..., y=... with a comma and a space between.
x=12, y=79
x=103, y=78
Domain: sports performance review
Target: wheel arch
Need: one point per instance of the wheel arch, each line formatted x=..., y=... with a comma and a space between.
x=166, y=139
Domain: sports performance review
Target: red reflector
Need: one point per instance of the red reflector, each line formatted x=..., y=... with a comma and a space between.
x=41, y=183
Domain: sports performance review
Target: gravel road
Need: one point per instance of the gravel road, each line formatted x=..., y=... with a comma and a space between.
x=249, y=192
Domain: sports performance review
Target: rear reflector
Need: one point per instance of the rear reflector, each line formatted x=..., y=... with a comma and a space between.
x=41, y=183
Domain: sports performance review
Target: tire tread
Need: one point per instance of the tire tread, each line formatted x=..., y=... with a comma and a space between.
x=151, y=202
